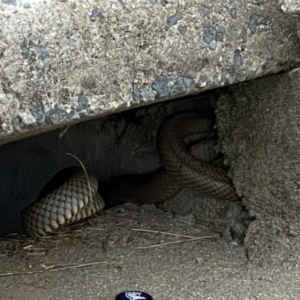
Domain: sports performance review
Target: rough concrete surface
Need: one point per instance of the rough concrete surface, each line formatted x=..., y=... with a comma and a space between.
x=62, y=62
x=258, y=124
x=102, y=259
x=291, y=7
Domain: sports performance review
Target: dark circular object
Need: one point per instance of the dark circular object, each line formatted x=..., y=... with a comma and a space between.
x=133, y=295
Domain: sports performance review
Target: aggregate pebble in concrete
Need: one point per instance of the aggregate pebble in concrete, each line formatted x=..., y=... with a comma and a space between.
x=291, y=7
x=63, y=62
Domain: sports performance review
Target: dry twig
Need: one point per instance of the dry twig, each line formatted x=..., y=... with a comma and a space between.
x=84, y=170
x=163, y=232
x=53, y=269
x=188, y=239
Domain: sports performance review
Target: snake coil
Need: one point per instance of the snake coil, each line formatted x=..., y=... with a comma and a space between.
x=78, y=199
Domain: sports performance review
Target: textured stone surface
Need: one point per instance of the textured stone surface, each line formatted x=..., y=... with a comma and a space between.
x=291, y=7
x=258, y=123
x=63, y=62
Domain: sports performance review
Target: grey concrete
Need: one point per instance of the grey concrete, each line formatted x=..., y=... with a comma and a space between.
x=291, y=7
x=258, y=124
x=62, y=62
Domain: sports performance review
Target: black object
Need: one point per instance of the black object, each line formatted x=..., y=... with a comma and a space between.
x=133, y=295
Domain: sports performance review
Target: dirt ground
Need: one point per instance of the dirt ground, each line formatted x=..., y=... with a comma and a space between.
x=141, y=248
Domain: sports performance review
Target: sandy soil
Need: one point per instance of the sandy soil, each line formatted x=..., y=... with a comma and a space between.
x=177, y=258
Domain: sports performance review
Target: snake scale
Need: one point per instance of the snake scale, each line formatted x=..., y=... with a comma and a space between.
x=78, y=198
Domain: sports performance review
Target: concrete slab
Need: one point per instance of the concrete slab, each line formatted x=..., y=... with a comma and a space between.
x=64, y=62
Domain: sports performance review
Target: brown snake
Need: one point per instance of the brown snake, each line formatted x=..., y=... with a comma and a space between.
x=77, y=198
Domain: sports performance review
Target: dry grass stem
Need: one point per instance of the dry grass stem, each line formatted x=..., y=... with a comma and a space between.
x=163, y=232
x=84, y=170
x=179, y=242
x=63, y=131
x=95, y=228
x=27, y=247
x=53, y=269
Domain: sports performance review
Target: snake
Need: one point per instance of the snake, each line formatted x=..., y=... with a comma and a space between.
x=78, y=198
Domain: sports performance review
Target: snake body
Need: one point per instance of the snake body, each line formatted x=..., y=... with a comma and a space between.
x=78, y=198
x=180, y=168
x=75, y=200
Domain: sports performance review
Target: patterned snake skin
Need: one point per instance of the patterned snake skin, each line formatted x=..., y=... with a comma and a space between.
x=76, y=200
x=180, y=168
